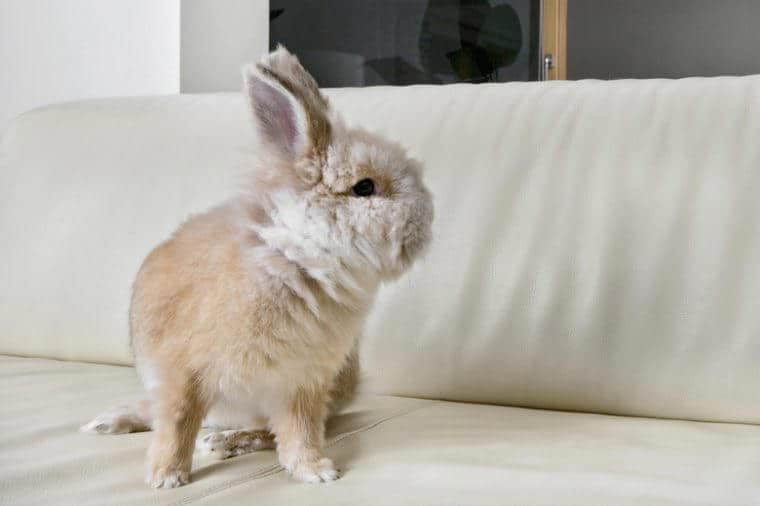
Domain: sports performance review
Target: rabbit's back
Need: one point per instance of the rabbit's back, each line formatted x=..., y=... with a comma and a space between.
x=204, y=300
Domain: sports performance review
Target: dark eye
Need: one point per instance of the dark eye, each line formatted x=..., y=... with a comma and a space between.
x=364, y=188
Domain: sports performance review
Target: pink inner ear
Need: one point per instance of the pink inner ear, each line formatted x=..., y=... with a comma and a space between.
x=274, y=115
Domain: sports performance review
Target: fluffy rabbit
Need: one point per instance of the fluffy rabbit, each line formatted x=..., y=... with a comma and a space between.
x=249, y=315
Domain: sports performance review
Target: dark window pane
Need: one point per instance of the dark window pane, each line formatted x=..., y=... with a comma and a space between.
x=373, y=42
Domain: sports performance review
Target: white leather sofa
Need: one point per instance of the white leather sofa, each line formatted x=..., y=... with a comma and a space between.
x=584, y=331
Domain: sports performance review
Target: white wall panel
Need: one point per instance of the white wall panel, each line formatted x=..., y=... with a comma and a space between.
x=53, y=51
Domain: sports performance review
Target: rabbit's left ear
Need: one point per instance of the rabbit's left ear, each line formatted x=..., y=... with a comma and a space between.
x=289, y=112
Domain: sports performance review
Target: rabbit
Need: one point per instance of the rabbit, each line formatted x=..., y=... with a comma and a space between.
x=249, y=315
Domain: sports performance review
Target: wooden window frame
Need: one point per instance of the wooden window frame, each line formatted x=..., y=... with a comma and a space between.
x=554, y=38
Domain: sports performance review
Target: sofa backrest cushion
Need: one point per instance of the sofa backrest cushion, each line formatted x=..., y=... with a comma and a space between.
x=597, y=244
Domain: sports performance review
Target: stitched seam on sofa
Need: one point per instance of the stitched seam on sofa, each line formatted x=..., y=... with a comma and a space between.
x=274, y=469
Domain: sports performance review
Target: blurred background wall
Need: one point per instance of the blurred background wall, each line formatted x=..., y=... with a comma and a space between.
x=614, y=39
x=61, y=50
x=54, y=50
x=217, y=37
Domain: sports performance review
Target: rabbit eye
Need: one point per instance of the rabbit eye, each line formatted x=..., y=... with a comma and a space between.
x=364, y=188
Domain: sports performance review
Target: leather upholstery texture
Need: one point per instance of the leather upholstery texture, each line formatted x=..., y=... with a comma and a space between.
x=597, y=244
x=391, y=450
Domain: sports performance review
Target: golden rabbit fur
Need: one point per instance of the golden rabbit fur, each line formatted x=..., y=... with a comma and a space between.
x=248, y=315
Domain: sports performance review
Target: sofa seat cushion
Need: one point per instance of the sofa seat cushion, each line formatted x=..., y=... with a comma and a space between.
x=392, y=450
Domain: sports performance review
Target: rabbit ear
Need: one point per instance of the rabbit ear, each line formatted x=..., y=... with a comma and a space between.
x=286, y=65
x=289, y=111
